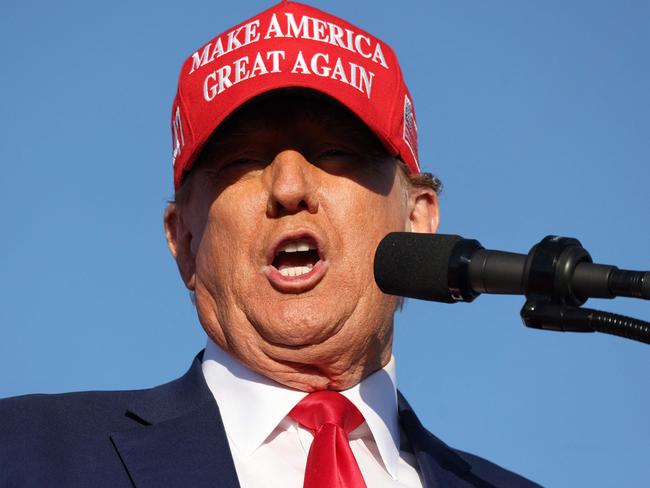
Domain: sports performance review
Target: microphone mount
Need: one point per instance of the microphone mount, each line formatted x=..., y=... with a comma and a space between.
x=553, y=301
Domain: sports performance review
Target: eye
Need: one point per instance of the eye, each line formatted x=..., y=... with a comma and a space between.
x=334, y=153
x=242, y=165
x=233, y=168
x=240, y=162
x=336, y=156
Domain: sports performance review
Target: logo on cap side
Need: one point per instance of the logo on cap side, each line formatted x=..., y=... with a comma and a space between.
x=178, y=139
x=410, y=134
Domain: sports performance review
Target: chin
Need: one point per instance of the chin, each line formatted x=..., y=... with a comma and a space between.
x=314, y=380
x=301, y=322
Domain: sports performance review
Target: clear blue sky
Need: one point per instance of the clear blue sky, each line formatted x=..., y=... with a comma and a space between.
x=535, y=114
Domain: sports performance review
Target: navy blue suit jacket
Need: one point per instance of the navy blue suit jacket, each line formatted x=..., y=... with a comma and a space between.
x=169, y=436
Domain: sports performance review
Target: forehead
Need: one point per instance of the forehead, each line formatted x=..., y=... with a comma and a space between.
x=294, y=114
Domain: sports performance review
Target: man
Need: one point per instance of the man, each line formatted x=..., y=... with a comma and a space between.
x=295, y=152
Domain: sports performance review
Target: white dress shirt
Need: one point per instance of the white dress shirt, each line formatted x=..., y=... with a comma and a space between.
x=270, y=449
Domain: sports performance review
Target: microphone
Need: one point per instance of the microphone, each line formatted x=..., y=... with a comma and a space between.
x=449, y=269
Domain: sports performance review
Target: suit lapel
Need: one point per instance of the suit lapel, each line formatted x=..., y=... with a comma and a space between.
x=178, y=438
x=439, y=464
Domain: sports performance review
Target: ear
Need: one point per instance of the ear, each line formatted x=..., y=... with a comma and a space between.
x=179, y=241
x=424, y=212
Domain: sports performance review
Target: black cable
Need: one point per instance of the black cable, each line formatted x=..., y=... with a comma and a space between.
x=620, y=325
x=566, y=318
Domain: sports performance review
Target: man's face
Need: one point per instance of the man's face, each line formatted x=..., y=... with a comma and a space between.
x=277, y=237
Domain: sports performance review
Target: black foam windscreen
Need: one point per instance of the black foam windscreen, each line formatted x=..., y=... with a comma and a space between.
x=415, y=265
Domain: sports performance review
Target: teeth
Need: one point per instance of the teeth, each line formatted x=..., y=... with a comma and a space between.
x=296, y=270
x=301, y=246
x=290, y=248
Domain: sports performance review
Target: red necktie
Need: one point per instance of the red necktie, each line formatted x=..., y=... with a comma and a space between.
x=330, y=462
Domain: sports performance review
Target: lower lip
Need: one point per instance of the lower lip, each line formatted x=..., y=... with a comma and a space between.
x=296, y=284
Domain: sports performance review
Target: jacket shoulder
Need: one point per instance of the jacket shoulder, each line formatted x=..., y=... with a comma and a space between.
x=68, y=439
x=60, y=440
x=482, y=469
x=89, y=410
x=40, y=413
x=446, y=466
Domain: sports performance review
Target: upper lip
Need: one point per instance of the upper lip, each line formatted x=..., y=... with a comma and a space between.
x=293, y=236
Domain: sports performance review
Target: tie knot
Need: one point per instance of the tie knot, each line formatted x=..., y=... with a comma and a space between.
x=326, y=407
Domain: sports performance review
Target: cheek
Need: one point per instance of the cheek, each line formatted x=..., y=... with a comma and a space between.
x=230, y=234
x=360, y=219
x=237, y=212
x=362, y=215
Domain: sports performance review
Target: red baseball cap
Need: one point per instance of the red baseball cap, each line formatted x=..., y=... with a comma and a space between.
x=292, y=45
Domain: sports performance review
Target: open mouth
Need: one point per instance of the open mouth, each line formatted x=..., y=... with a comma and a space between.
x=296, y=263
x=296, y=258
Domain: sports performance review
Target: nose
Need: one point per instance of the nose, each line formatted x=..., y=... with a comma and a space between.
x=292, y=185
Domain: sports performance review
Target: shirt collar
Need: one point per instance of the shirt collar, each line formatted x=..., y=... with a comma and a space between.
x=252, y=405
